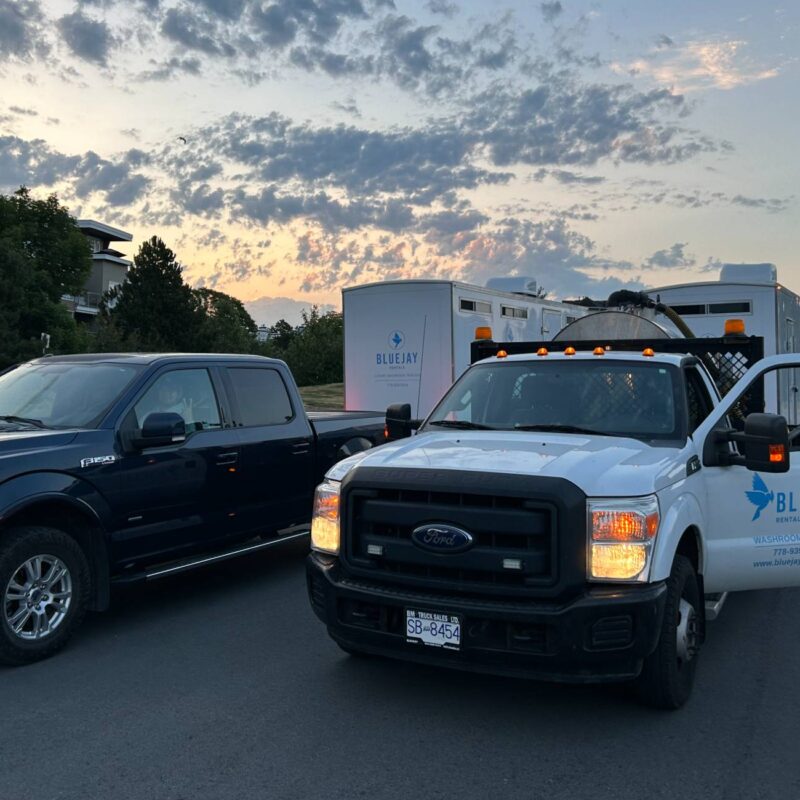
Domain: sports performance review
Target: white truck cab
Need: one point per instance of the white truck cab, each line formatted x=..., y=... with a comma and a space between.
x=574, y=515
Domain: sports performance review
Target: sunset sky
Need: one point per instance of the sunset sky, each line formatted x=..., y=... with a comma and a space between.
x=335, y=142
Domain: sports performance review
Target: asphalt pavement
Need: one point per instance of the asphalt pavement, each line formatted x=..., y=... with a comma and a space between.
x=222, y=684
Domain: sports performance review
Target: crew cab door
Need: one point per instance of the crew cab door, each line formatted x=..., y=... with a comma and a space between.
x=277, y=449
x=181, y=496
x=752, y=518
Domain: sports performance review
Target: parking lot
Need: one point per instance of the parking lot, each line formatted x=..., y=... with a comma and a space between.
x=222, y=684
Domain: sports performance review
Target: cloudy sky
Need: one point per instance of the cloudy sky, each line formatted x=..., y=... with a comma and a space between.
x=288, y=148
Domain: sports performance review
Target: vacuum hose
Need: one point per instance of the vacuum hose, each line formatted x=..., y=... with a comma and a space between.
x=626, y=297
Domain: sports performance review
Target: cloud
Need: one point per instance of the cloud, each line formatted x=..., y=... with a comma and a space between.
x=280, y=23
x=671, y=258
x=32, y=163
x=88, y=39
x=443, y=7
x=166, y=70
x=567, y=177
x=699, y=65
x=27, y=112
x=773, y=205
x=21, y=33
x=551, y=11
x=184, y=26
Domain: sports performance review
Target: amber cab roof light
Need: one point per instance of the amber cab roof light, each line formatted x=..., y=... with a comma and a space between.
x=502, y=354
x=734, y=327
x=649, y=352
x=599, y=351
x=542, y=351
x=569, y=351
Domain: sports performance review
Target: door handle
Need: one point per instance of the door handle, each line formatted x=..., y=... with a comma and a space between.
x=227, y=459
x=300, y=449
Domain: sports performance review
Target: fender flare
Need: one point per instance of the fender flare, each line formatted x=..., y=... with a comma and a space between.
x=683, y=513
x=25, y=492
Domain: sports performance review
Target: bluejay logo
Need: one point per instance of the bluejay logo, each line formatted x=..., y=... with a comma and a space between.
x=396, y=340
x=760, y=497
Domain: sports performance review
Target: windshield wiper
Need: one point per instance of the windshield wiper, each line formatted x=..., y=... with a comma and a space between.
x=37, y=423
x=560, y=429
x=463, y=424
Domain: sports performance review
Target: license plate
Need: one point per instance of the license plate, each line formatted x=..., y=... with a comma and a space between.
x=434, y=629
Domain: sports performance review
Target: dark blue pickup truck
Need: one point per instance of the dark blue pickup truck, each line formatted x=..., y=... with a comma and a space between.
x=128, y=467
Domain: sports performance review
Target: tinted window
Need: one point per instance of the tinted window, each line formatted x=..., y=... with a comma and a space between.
x=729, y=308
x=698, y=399
x=261, y=396
x=187, y=392
x=476, y=305
x=689, y=309
x=63, y=395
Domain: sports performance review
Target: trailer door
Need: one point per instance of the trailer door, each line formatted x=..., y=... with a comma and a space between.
x=551, y=323
x=752, y=523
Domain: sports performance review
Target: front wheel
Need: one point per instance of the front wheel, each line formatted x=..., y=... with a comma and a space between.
x=44, y=580
x=668, y=674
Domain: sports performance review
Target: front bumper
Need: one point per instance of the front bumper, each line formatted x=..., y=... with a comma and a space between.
x=601, y=635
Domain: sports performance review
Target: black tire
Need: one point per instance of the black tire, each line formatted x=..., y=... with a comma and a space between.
x=668, y=674
x=17, y=546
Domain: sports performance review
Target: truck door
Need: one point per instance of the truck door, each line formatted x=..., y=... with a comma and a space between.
x=752, y=518
x=180, y=496
x=276, y=469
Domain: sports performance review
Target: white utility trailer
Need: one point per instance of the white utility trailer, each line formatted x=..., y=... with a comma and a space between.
x=407, y=341
x=749, y=292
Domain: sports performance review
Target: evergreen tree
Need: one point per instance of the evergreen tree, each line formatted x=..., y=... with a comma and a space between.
x=43, y=255
x=154, y=306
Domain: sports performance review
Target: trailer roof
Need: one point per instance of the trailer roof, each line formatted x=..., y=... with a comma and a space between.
x=718, y=284
x=468, y=286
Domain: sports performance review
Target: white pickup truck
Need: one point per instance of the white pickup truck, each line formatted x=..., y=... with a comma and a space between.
x=565, y=515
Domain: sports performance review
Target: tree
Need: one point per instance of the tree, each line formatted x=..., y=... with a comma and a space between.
x=281, y=334
x=154, y=305
x=43, y=256
x=226, y=327
x=315, y=353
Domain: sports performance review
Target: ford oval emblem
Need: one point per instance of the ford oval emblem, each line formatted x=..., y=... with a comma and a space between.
x=439, y=537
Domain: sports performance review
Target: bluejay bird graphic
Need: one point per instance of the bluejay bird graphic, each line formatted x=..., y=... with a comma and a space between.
x=397, y=339
x=760, y=497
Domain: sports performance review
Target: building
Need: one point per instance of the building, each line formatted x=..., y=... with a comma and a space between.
x=109, y=267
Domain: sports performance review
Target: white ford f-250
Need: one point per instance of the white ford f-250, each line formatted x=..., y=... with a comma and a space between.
x=567, y=515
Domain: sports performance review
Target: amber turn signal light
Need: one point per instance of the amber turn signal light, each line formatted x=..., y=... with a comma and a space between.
x=777, y=453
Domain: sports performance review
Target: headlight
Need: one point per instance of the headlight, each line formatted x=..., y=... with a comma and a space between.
x=621, y=537
x=325, y=519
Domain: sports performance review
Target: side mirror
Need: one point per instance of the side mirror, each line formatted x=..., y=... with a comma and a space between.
x=766, y=443
x=398, y=422
x=161, y=429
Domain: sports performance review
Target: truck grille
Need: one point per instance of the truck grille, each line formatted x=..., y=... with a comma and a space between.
x=514, y=540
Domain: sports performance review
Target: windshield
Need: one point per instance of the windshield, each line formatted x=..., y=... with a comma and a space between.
x=61, y=395
x=634, y=399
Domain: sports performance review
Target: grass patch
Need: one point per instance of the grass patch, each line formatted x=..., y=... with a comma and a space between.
x=329, y=397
